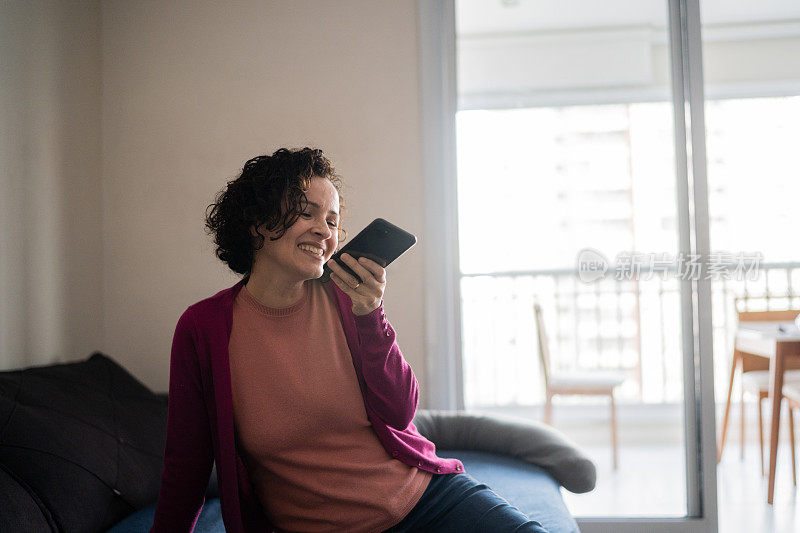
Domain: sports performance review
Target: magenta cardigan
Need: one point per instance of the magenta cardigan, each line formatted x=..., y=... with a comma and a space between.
x=200, y=427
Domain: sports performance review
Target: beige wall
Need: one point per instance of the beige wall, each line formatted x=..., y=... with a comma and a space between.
x=51, y=255
x=121, y=120
x=193, y=89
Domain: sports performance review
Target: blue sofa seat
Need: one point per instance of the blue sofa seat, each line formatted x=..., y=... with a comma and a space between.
x=526, y=486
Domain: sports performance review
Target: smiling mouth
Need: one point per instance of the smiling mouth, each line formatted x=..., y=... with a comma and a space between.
x=311, y=249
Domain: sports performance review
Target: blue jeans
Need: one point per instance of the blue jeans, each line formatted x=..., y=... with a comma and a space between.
x=458, y=503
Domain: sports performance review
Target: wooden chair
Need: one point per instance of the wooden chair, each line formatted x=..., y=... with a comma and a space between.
x=598, y=383
x=755, y=378
x=791, y=393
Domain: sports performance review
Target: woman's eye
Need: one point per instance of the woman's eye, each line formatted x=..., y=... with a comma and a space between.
x=332, y=224
x=305, y=215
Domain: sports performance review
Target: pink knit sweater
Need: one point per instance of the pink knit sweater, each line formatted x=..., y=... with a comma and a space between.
x=313, y=458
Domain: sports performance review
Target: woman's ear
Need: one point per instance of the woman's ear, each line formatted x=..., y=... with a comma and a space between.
x=258, y=242
x=262, y=228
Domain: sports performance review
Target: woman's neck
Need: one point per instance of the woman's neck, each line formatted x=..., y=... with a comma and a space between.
x=274, y=293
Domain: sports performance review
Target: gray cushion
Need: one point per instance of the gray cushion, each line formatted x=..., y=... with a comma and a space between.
x=528, y=441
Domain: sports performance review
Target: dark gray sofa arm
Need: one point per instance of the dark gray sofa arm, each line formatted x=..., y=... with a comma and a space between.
x=532, y=442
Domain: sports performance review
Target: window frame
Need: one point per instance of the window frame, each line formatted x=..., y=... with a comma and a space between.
x=444, y=376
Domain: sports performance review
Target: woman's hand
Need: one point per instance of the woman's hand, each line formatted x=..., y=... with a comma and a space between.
x=367, y=294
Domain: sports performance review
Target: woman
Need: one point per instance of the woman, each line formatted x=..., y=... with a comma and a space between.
x=297, y=389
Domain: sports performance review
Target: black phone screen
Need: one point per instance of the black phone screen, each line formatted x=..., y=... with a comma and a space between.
x=381, y=241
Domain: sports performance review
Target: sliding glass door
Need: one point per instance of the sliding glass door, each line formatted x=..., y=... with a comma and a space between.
x=564, y=148
x=751, y=52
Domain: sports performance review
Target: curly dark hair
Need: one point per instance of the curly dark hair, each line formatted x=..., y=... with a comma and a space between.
x=270, y=190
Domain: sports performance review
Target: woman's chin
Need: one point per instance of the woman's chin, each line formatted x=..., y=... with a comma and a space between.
x=317, y=273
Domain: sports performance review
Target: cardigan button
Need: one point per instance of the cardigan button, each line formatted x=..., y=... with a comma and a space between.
x=420, y=463
x=395, y=453
x=458, y=467
x=438, y=469
x=388, y=334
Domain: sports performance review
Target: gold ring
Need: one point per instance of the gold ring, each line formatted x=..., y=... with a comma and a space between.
x=357, y=285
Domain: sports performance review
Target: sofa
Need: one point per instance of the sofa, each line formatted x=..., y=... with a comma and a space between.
x=81, y=450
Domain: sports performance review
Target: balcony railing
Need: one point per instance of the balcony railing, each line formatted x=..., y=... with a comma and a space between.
x=631, y=325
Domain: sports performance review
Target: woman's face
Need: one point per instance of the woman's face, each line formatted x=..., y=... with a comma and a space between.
x=309, y=242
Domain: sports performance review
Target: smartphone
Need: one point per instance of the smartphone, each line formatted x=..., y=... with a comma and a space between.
x=381, y=241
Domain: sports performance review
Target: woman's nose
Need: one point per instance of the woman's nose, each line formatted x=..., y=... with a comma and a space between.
x=322, y=229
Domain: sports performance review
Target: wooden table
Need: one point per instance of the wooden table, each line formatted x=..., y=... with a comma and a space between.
x=777, y=341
